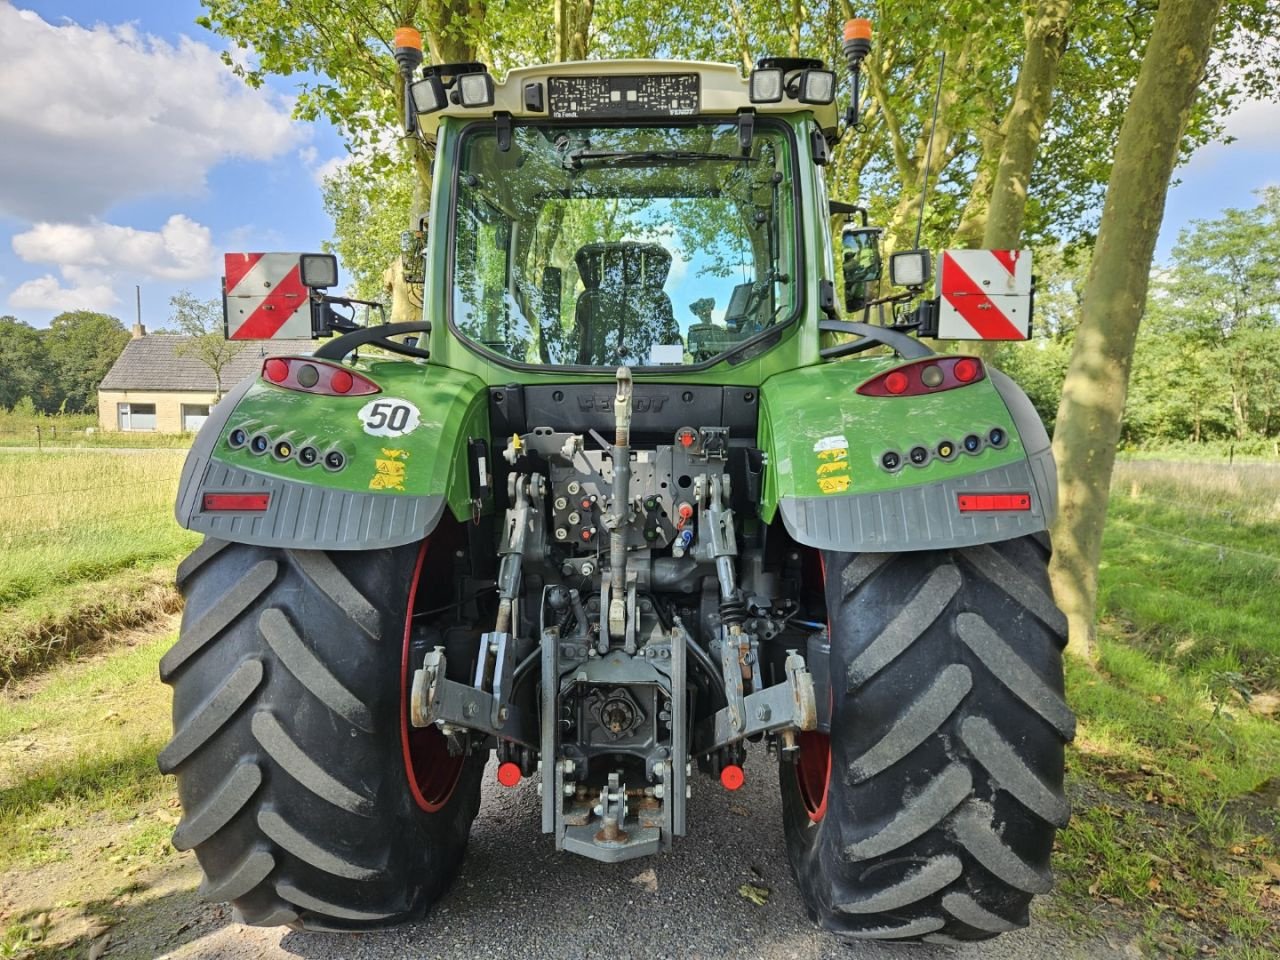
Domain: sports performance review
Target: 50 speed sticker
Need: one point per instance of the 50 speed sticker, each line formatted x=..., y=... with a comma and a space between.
x=389, y=417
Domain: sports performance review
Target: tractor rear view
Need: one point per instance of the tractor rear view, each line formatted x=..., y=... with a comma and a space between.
x=629, y=495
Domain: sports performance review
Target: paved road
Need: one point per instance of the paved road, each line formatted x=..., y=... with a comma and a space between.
x=517, y=898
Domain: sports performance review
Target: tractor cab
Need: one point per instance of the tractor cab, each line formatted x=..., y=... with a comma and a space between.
x=647, y=214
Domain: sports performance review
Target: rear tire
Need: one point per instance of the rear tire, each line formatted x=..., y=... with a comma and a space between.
x=930, y=811
x=287, y=712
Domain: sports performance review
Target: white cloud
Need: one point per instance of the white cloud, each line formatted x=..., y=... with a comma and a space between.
x=95, y=116
x=1256, y=124
x=46, y=293
x=93, y=258
x=180, y=250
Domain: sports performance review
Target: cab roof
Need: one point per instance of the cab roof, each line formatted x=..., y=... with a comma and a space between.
x=721, y=90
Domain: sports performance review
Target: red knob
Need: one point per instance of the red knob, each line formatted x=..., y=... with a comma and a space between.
x=732, y=777
x=508, y=774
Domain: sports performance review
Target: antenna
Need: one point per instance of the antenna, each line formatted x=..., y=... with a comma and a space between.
x=928, y=150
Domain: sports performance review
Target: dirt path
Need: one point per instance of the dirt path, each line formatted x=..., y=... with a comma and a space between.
x=98, y=871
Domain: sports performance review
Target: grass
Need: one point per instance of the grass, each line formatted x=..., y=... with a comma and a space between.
x=1191, y=566
x=1176, y=767
x=85, y=815
x=82, y=540
x=61, y=767
x=76, y=430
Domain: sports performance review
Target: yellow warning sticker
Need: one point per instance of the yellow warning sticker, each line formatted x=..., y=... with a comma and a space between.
x=389, y=470
x=833, y=464
x=834, y=484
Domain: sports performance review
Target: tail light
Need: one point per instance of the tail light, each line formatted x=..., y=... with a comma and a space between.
x=931, y=375
x=315, y=376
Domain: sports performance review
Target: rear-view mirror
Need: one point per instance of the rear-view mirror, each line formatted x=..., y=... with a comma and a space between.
x=860, y=265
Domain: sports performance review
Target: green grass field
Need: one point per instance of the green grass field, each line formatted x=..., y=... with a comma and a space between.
x=1178, y=751
x=89, y=543
x=74, y=430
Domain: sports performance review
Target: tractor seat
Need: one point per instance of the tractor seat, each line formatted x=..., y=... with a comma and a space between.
x=624, y=311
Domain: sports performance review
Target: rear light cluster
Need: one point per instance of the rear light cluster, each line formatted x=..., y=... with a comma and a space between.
x=313, y=376
x=920, y=377
x=946, y=450
x=283, y=450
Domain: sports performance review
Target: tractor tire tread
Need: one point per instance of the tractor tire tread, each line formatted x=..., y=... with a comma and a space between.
x=287, y=748
x=948, y=725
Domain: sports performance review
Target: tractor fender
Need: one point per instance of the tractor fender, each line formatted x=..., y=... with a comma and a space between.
x=392, y=488
x=826, y=447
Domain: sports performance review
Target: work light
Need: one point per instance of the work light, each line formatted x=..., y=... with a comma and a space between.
x=766, y=86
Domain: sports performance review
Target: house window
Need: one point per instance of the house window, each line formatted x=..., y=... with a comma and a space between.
x=193, y=416
x=136, y=416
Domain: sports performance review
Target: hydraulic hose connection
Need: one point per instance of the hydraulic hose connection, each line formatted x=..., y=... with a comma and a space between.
x=616, y=521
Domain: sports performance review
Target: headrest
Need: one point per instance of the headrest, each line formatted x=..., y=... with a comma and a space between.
x=623, y=264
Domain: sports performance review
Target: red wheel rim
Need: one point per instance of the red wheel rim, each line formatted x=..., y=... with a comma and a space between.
x=813, y=766
x=813, y=772
x=432, y=773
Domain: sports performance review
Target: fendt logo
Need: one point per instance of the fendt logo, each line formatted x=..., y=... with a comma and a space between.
x=603, y=403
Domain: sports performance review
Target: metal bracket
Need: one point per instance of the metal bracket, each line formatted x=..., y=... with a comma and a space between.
x=788, y=705
x=496, y=654
x=435, y=699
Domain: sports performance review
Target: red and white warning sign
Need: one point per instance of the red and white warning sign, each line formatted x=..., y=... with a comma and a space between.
x=985, y=295
x=265, y=298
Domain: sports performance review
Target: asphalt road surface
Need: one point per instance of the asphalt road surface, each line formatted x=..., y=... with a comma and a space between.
x=517, y=898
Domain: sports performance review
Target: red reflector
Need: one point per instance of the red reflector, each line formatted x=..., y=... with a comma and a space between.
x=976, y=502
x=897, y=382
x=508, y=774
x=276, y=370
x=236, y=501
x=732, y=777
x=965, y=370
x=341, y=381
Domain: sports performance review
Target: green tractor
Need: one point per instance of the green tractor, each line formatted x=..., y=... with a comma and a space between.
x=630, y=494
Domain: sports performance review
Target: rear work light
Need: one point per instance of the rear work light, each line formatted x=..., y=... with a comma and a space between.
x=244, y=502
x=993, y=502
x=316, y=376
x=931, y=375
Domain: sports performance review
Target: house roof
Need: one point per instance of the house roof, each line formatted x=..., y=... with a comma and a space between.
x=153, y=363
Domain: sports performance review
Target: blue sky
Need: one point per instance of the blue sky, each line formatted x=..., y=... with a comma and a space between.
x=130, y=156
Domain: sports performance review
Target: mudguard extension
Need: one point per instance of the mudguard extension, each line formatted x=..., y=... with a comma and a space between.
x=395, y=483
x=826, y=476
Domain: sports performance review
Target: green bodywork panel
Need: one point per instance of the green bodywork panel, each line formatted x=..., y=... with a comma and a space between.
x=822, y=438
x=430, y=459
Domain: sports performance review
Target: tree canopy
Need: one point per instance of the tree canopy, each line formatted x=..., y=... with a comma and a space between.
x=82, y=346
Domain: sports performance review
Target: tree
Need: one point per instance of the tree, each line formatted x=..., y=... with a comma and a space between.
x=201, y=322
x=27, y=369
x=82, y=346
x=1089, y=416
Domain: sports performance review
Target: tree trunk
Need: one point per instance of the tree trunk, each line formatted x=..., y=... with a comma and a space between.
x=1093, y=398
x=1002, y=216
x=1046, y=39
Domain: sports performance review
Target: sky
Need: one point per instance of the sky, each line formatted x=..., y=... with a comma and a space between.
x=131, y=157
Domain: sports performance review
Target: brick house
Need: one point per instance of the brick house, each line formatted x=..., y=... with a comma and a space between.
x=151, y=388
